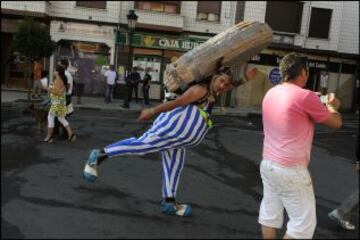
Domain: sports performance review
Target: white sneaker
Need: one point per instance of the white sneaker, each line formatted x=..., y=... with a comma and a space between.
x=335, y=216
x=91, y=172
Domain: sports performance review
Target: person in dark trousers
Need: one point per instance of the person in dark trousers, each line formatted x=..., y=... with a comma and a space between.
x=127, y=90
x=70, y=85
x=342, y=214
x=134, y=82
x=146, y=86
x=182, y=123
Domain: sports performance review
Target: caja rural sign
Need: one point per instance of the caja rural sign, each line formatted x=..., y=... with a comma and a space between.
x=161, y=42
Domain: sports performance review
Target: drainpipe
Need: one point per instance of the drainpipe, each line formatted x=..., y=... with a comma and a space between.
x=355, y=101
x=338, y=78
x=51, y=69
x=116, y=35
x=308, y=25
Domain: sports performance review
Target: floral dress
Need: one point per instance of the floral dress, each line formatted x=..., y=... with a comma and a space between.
x=58, y=103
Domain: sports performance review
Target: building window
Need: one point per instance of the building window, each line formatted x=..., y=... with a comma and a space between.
x=320, y=23
x=159, y=6
x=240, y=10
x=209, y=11
x=91, y=4
x=284, y=16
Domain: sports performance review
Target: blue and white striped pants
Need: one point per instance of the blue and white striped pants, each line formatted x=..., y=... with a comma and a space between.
x=170, y=134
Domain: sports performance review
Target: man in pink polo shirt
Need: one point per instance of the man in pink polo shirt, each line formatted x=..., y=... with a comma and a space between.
x=289, y=113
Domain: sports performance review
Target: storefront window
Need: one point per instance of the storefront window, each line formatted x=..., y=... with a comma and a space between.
x=152, y=63
x=17, y=67
x=87, y=61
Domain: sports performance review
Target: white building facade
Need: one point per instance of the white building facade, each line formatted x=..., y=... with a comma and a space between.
x=327, y=32
x=94, y=33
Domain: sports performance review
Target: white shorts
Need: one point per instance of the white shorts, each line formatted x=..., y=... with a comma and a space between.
x=290, y=188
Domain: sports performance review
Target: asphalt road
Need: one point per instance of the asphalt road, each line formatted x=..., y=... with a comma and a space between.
x=43, y=194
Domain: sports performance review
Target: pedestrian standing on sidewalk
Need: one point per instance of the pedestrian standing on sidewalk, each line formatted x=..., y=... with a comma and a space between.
x=182, y=123
x=342, y=214
x=79, y=85
x=58, y=107
x=127, y=89
x=70, y=81
x=110, y=76
x=44, y=81
x=146, y=86
x=289, y=112
x=324, y=82
x=134, y=83
x=38, y=69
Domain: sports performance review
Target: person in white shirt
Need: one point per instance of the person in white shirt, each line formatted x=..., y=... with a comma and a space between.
x=110, y=83
x=70, y=82
x=324, y=82
x=44, y=80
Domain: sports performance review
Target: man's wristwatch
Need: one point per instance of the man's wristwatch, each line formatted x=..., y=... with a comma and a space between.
x=332, y=108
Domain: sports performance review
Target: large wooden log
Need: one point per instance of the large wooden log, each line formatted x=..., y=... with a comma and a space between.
x=235, y=45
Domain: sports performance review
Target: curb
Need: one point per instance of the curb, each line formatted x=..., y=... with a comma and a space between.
x=216, y=112
x=107, y=109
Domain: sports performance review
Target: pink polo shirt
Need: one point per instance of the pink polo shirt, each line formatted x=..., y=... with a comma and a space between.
x=289, y=113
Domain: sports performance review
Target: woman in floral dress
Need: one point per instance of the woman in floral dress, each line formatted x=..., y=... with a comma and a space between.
x=58, y=107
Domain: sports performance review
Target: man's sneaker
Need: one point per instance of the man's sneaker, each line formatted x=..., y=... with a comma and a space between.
x=183, y=210
x=335, y=216
x=90, y=172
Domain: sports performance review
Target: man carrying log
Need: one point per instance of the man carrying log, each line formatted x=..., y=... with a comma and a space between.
x=181, y=123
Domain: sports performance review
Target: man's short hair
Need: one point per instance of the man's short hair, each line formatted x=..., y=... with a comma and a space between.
x=291, y=66
x=64, y=62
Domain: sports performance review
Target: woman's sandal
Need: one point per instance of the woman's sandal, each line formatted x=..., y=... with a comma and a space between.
x=49, y=140
x=72, y=138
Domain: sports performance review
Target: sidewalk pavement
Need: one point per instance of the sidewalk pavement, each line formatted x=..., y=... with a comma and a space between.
x=9, y=97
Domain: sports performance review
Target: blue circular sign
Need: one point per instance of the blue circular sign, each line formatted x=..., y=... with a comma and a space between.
x=275, y=76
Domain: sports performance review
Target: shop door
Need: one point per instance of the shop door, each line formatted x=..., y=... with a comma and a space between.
x=313, y=80
x=153, y=64
x=6, y=39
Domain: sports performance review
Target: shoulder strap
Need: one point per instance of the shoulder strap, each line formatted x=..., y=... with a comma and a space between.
x=204, y=98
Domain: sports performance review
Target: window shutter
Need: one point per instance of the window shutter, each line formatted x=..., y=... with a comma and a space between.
x=91, y=4
x=209, y=7
x=284, y=16
x=320, y=23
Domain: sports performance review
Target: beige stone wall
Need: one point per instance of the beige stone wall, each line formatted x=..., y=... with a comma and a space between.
x=252, y=93
x=31, y=6
x=345, y=89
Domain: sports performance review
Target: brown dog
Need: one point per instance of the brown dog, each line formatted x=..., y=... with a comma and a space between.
x=40, y=114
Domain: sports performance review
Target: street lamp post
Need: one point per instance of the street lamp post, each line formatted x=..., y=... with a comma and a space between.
x=132, y=18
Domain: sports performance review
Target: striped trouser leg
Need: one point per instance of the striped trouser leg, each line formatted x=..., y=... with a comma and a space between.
x=181, y=127
x=173, y=163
